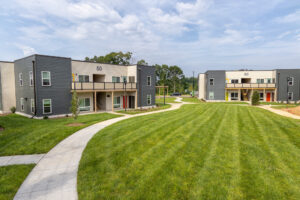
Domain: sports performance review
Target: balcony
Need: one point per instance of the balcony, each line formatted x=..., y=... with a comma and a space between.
x=250, y=85
x=102, y=86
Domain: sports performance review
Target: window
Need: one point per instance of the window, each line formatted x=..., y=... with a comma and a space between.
x=260, y=80
x=261, y=96
x=234, y=96
x=131, y=79
x=21, y=79
x=269, y=80
x=115, y=79
x=30, y=78
x=117, y=102
x=124, y=78
x=149, y=99
x=84, y=78
x=84, y=104
x=291, y=81
x=148, y=80
x=235, y=81
x=211, y=95
x=290, y=96
x=211, y=81
x=46, y=79
x=32, y=105
x=47, y=106
x=22, y=104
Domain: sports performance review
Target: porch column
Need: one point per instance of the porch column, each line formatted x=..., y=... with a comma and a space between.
x=95, y=101
x=265, y=95
x=112, y=101
x=135, y=102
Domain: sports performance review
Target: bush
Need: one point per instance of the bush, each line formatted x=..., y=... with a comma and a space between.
x=45, y=117
x=13, y=109
x=255, y=98
x=74, y=105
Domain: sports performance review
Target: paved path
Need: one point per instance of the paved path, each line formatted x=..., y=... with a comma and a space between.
x=22, y=159
x=280, y=112
x=55, y=175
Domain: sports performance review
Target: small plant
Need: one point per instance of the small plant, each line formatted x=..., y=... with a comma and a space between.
x=255, y=99
x=45, y=117
x=13, y=109
x=74, y=105
x=67, y=115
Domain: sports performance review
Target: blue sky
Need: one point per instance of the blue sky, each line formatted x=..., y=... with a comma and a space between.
x=196, y=35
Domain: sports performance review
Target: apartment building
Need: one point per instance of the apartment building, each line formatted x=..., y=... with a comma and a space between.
x=43, y=85
x=239, y=85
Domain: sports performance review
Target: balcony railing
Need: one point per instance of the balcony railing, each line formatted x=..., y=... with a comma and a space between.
x=250, y=85
x=102, y=86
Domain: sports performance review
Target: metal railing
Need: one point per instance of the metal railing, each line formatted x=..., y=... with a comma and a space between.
x=250, y=85
x=102, y=86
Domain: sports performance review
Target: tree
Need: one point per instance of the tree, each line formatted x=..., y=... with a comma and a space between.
x=142, y=62
x=74, y=105
x=117, y=58
x=255, y=98
x=176, y=75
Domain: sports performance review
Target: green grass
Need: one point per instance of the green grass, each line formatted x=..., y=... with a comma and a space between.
x=191, y=99
x=200, y=151
x=159, y=106
x=11, y=177
x=168, y=100
x=31, y=136
x=230, y=102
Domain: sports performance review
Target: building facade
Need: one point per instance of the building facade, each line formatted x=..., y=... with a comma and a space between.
x=43, y=86
x=272, y=85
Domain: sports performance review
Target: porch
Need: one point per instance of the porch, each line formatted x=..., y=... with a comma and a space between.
x=239, y=94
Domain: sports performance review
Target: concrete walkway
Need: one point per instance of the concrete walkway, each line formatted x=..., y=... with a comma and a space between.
x=19, y=160
x=280, y=112
x=55, y=175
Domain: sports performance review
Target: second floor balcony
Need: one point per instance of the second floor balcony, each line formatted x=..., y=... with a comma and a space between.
x=103, y=86
x=251, y=85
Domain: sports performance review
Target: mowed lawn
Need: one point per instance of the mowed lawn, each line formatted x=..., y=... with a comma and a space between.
x=201, y=151
x=22, y=135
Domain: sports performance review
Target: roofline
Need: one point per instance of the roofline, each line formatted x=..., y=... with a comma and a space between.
x=43, y=56
x=2, y=61
x=103, y=63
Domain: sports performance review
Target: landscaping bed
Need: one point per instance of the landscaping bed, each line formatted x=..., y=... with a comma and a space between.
x=159, y=106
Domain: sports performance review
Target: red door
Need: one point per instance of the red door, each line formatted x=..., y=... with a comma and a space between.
x=124, y=101
x=268, y=97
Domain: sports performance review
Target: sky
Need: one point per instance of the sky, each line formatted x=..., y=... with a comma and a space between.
x=196, y=35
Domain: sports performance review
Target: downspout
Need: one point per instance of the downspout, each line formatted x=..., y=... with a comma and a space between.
x=34, y=87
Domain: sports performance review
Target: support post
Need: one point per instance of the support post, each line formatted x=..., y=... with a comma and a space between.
x=112, y=101
x=265, y=96
x=95, y=101
x=135, y=102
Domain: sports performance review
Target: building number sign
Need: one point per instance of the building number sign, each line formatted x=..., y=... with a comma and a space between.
x=99, y=68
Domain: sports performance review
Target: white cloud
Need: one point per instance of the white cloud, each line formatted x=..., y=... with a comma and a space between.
x=27, y=50
x=192, y=11
x=290, y=18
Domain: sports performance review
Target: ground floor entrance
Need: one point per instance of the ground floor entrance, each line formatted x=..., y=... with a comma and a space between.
x=267, y=95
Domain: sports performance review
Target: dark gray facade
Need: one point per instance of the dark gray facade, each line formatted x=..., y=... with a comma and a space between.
x=218, y=87
x=0, y=91
x=143, y=89
x=281, y=84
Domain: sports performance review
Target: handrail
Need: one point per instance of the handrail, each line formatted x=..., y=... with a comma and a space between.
x=78, y=85
x=250, y=85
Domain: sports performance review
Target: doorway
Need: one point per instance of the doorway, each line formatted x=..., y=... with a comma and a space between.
x=131, y=102
x=268, y=97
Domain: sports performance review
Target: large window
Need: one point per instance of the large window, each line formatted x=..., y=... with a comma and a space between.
x=116, y=79
x=211, y=95
x=260, y=80
x=234, y=96
x=269, y=80
x=148, y=80
x=211, y=81
x=46, y=78
x=84, y=104
x=84, y=78
x=32, y=106
x=291, y=81
x=131, y=79
x=22, y=104
x=149, y=99
x=30, y=78
x=21, y=79
x=290, y=96
x=47, y=106
x=261, y=96
x=117, y=102
x=235, y=81
x=124, y=78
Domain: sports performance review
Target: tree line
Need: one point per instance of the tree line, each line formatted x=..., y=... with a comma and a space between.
x=171, y=76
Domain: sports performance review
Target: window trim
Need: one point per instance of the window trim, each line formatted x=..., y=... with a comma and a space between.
x=149, y=97
x=30, y=78
x=22, y=104
x=32, y=108
x=149, y=80
x=234, y=80
x=116, y=77
x=292, y=96
x=235, y=98
x=84, y=98
x=130, y=78
x=291, y=81
x=263, y=96
x=84, y=78
x=119, y=105
x=50, y=106
x=213, y=97
x=43, y=79
x=21, y=79
x=213, y=81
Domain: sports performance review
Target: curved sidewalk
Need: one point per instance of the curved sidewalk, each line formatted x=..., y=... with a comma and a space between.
x=55, y=175
x=280, y=112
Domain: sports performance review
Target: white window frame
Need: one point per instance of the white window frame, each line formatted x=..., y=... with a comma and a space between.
x=149, y=80
x=44, y=106
x=211, y=97
x=263, y=96
x=117, y=105
x=20, y=79
x=30, y=78
x=22, y=104
x=213, y=81
x=149, y=98
x=234, y=80
x=43, y=78
x=84, y=76
x=292, y=96
x=130, y=79
x=116, y=77
x=237, y=97
x=32, y=105
x=85, y=107
x=291, y=83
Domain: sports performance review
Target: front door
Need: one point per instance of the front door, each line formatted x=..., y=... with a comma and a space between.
x=268, y=97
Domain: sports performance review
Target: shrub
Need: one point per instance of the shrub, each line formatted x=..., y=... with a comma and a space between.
x=13, y=109
x=45, y=117
x=255, y=98
x=74, y=105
